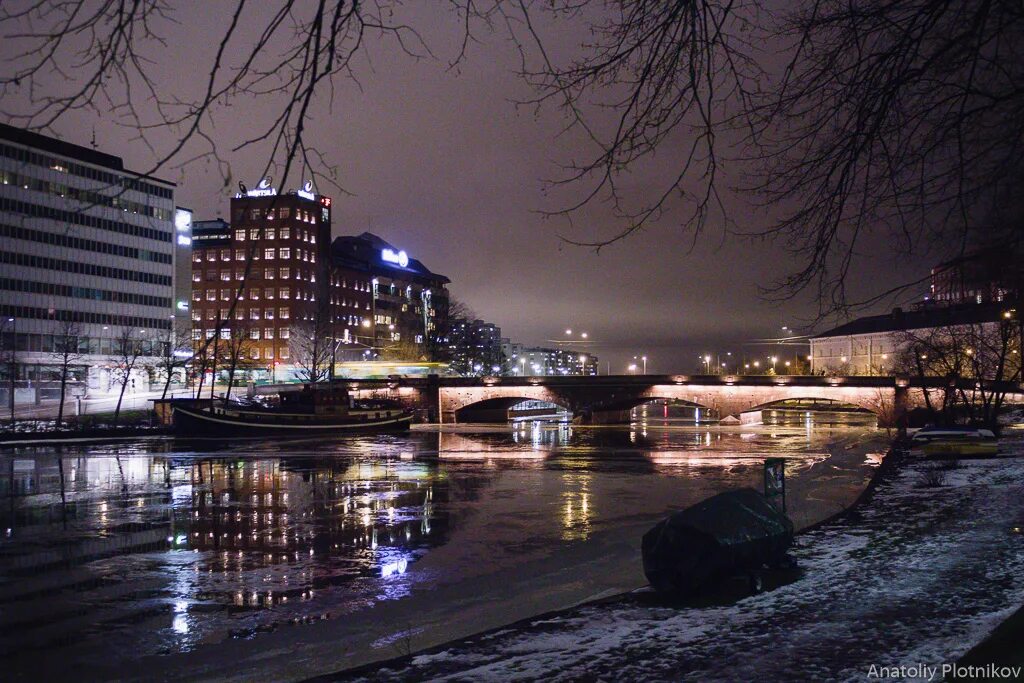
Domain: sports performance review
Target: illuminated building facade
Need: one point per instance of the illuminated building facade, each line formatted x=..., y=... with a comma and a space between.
x=275, y=249
x=89, y=249
x=405, y=315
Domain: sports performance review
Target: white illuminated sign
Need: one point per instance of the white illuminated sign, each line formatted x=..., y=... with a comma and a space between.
x=185, y=240
x=183, y=220
x=391, y=256
x=307, y=191
x=182, y=305
x=263, y=189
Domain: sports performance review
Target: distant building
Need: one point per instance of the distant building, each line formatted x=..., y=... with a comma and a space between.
x=546, y=361
x=871, y=345
x=406, y=304
x=475, y=348
x=86, y=242
x=988, y=276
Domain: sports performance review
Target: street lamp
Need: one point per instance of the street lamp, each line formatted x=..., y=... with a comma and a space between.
x=773, y=359
x=568, y=332
x=644, y=359
x=632, y=368
x=13, y=362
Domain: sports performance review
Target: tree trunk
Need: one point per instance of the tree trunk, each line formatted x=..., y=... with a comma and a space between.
x=231, y=382
x=167, y=383
x=63, y=387
x=120, y=396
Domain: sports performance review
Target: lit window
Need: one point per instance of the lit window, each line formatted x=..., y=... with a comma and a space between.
x=270, y=217
x=225, y=275
x=268, y=333
x=197, y=315
x=284, y=293
x=225, y=333
x=286, y=253
x=256, y=354
x=225, y=294
x=255, y=214
x=211, y=255
x=269, y=254
x=271, y=234
x=284, y=354
x=225, y=254
x=197, y=257
x=254, y=294
x=239, y=314
x=254, y=333
x=239, y=254
x=268, y=293
x=254, y=314
x=254, y=234
x=285, y=273
x=285, y=211
x=283, y=333
x=268, y=314
x=211, y=295
x=284, y=313
x=268, y=273
x=239, y=274
x=286, y=233
x=196, y=276
x=197, y=335
x=239, y=235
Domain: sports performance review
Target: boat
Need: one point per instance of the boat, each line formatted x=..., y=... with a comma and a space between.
x=961, y=448
x=928, y=434
x=311, y=411
x=958, y=442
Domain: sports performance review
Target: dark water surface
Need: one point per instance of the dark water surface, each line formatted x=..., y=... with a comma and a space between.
x=166, y=546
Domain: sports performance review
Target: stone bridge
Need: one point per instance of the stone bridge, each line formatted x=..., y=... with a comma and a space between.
x=609, y=398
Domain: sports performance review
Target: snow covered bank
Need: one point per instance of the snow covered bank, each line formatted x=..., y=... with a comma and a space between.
x=917, y=578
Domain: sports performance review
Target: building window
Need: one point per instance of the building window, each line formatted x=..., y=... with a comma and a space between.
x=239, y=235
x=254, y=214
x=286, y=273
x=254, y=295
x=269, y=254
x=284, y=293
x=197, y=335
x=239, y=274
x=225, y=294
x=286, y=253
x=196, y=276
x=268, y=273
x=254, y=333
x=268, y=314
x=283, y=333
x=256, y=354
x=239, y=313
x=284, y=314
x=254, y=234
x=197, y=257
x=254, y=314
x=284, y=354
x=225, y=333
x=271, y=234
x=225, y=254
x=211, y=295
x=268, y=333
x=270, y=217
x=239, y=254
x=211, y=255
x=268, y=293
x=286, y=233
x=225, y=276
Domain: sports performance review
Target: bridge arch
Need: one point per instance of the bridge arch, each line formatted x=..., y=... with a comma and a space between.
x=455, y=400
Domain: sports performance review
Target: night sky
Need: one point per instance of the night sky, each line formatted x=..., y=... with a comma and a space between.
x=442, y=163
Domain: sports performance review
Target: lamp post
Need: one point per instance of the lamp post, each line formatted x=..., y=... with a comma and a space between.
x=13, y=362
x=644, y=359
x=632, y=368
x=773, y=359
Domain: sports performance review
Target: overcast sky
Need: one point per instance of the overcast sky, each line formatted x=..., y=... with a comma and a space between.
x=443, y=164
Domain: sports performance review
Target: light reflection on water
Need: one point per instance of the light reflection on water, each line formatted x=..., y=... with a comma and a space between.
x=163, y=545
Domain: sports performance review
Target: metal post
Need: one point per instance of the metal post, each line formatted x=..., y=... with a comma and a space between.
x=13, y=362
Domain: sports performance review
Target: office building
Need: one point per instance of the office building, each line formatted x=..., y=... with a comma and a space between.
x=89, y=248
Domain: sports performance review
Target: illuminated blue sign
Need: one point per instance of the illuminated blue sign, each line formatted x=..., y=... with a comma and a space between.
x=391, y=256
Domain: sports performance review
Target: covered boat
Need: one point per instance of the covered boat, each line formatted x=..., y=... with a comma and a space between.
x=733, y=532
x=313, y=410
x=956, y=442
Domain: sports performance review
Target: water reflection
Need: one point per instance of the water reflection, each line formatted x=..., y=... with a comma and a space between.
x=162, y=546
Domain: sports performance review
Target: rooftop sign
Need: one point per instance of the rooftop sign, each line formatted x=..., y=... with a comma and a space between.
x=391, y=256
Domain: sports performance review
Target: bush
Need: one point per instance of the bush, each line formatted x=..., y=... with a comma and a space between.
x=933, y=477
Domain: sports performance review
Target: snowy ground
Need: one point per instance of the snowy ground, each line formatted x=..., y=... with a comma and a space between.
x=923, y=574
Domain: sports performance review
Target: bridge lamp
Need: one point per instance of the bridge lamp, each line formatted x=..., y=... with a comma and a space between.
x=632, y=367
x=583, y=334
x=757, y=363
x=568, y=332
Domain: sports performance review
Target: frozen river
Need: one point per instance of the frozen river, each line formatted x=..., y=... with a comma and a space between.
x=183, y=559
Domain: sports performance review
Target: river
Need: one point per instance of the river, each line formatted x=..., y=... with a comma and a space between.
x=178, y=559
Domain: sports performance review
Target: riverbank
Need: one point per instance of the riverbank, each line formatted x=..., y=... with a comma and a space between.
x=916, y=575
